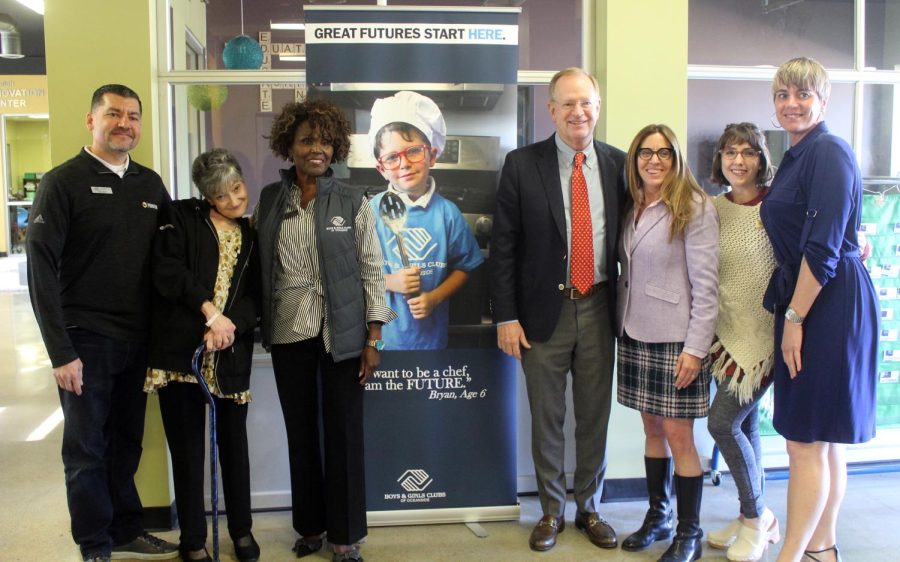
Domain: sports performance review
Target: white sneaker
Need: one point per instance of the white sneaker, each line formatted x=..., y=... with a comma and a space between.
x=751, y=543
x=724, y=537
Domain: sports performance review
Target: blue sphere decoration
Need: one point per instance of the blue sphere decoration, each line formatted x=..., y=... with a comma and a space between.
x=242, y=53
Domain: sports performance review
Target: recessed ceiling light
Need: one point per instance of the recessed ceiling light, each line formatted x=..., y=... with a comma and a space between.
x=286, y=25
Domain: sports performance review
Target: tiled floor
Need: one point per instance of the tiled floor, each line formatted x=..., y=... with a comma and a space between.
x=34, y=521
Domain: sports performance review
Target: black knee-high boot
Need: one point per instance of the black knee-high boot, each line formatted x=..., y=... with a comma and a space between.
x=688, y=543
x=658, y=523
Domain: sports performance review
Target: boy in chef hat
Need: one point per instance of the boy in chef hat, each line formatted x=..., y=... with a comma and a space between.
x=407, y=135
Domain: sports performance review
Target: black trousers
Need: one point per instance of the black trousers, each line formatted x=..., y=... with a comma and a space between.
x=102, y=436
x=184, y=417
x=331, y=495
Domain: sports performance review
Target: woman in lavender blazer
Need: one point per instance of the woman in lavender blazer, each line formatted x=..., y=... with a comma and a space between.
x=668, y=302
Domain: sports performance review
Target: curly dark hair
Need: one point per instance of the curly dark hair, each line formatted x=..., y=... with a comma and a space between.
x=323, y=116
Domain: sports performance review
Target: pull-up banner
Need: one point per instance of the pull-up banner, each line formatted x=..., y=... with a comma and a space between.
x=393, y=44
x=440, y=412
x=440, y=437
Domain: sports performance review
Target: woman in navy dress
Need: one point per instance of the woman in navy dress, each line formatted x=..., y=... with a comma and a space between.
x=826, y=311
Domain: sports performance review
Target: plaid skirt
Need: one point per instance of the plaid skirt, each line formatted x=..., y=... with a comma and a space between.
x=646, y=380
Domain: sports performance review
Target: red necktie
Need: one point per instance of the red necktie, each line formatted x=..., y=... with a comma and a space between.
x=582, y=232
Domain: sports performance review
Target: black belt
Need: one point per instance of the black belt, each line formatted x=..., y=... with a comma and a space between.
x=574, y=294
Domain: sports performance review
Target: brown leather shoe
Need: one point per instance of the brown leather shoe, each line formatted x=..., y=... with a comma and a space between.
x=543, y=537
x=597, y=529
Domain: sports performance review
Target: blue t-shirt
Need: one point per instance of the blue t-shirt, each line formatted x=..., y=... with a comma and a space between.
x=439, y=241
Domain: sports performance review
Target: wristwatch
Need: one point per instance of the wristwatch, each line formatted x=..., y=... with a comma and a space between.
x=377, y=344
x=791, y=316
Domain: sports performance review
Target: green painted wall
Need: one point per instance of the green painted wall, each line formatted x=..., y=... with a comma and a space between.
x=641, y=59
x=90, y=43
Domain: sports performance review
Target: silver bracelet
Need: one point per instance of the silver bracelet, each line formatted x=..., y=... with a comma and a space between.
x=213, y=319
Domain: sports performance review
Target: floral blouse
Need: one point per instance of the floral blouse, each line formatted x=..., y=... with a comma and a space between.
x=229, y=248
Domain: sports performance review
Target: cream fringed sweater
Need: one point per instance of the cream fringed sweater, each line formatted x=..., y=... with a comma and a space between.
x=744, y=329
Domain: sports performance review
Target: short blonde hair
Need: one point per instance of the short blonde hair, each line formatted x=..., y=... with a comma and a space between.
x=573, y=71
x=804, y=73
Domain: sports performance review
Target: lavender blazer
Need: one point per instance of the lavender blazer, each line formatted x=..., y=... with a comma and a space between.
x=668, y=291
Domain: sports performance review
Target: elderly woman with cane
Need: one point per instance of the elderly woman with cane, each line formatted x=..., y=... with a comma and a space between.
x=205, y=274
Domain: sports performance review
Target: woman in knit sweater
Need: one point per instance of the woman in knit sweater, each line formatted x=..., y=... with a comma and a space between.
x=743, y=351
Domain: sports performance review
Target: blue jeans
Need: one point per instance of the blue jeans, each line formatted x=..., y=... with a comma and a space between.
x=735, y=427
x=102, y=436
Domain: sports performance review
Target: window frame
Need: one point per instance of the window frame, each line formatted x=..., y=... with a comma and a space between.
x=859, y=76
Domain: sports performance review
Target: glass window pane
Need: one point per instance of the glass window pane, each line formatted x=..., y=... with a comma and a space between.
x=237, y=117
x=550, y=34
x=228, y=116
x=534, y=118
x=881, y=125
x=757, y=32
x=712, y=104
x=882, y=37
x=549, y=30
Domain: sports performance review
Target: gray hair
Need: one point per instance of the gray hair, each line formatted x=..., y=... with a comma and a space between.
x=804, y=73
x=573, y=71
x=215, y=171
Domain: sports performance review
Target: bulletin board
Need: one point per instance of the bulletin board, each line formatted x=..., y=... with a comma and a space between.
x=881, y=229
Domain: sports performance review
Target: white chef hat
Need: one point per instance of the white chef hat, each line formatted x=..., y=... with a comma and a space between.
x=412, y=108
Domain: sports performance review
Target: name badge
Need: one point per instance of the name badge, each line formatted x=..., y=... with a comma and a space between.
x=101, y=190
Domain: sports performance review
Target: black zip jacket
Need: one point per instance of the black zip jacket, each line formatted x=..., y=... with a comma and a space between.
x=184, y=265
x=89, y=241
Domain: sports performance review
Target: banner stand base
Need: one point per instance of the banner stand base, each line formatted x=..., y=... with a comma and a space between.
x=438, y=516
x=477, y=530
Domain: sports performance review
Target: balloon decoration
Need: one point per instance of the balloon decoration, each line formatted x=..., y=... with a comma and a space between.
x=242, y=52
x=207, y=96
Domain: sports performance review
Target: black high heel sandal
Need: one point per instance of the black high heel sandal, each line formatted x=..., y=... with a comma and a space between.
x=308, y=545
x=809, y=554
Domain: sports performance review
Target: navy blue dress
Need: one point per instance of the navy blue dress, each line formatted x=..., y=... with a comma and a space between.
x=813, y=211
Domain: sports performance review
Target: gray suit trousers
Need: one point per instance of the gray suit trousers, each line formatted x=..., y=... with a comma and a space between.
x=582, y=343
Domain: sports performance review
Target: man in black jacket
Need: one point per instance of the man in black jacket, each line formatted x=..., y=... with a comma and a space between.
x=553, y=278
x=89, y=238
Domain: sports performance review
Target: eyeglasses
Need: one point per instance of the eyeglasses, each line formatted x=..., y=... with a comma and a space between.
x=570, y=105
x=412, y=154
x=662, y=153
x=731, y=154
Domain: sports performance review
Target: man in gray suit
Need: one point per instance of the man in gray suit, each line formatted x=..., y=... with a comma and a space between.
x=553, y=272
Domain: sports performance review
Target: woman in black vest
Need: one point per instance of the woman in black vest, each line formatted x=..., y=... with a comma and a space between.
x=206, y=280
x=323, y=307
